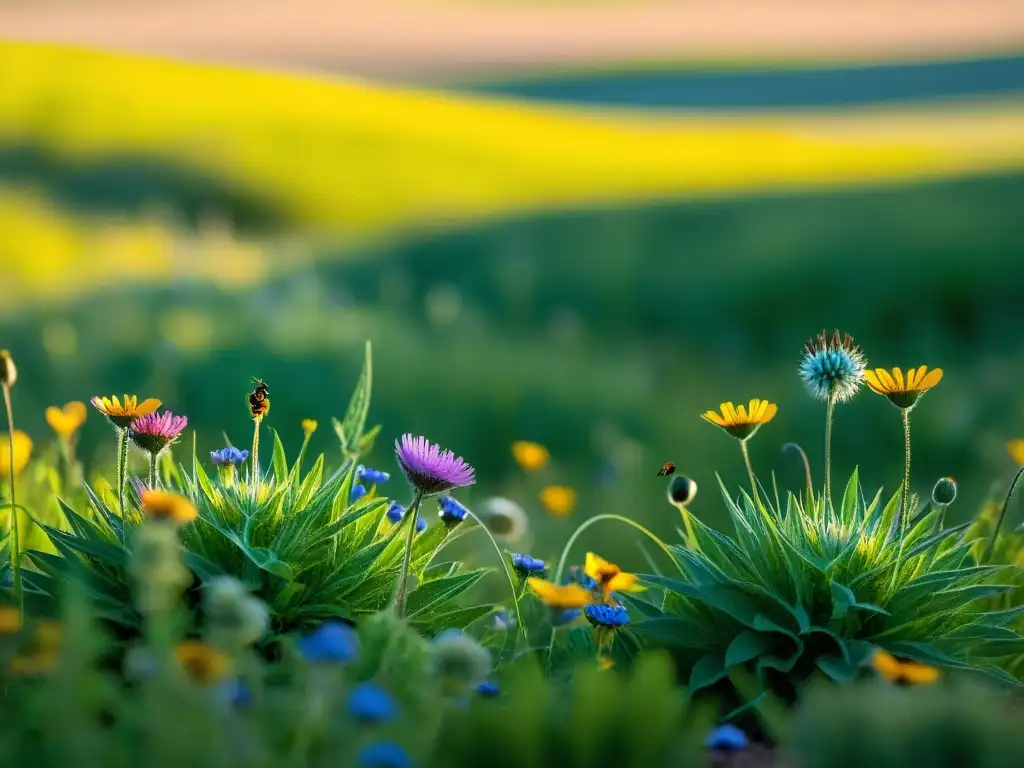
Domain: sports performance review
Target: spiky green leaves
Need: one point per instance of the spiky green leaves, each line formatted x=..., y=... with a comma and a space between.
x=803, y=589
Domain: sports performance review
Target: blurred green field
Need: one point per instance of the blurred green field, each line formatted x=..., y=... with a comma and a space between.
x=607, y=353
x=599, y=313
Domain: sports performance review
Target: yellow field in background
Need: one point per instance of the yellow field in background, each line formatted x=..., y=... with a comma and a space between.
x=344, y=158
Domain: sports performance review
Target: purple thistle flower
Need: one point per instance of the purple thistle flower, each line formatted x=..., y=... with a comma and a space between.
x=155, y=432
x=429, y=469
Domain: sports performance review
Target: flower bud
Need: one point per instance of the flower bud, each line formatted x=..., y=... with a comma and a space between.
x=8, y=371
x=944, y=492
x=459, y=663
x=234, y=617
x=681, y=490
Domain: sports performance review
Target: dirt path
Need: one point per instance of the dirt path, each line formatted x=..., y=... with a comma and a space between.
x=435, y=39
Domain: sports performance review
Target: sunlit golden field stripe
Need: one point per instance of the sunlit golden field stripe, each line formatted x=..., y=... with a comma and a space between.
x=346, y=158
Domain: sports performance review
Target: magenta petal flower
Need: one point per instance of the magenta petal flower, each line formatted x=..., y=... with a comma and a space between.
x=429, y=469
x=155, y=432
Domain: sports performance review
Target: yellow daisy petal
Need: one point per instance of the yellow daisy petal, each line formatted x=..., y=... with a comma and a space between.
x=897, y=374
x=886, y=665
x=741, y=415
x=624, y=582
x=888, y=383
x=929, y=381
x=714, y=418
x=147, y=406
x=769, y=413
x=594, y=565
x=728, y=414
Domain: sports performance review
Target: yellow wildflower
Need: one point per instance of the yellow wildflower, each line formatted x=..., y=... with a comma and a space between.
x=10, y=620
x=1016, y=450
x=66, y=421
x=899, y=671
x=201, y=662
x=122, y=415
x=558, y=500
x=742, y=422
x=164, y=505
x=609, y=577
x=22, y=452
x=308, y=427
x=902, y=392
x=530, y=456
x=563, y=598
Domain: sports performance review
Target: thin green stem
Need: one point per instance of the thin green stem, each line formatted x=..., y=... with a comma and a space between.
x=411, y=514
x=750, y=469
x=19, y=595
x=830, y=409
x=904, y=491
x=1002, y=514
x=122, y=477
x=152, y=471
x=520, y=627
x=807, y=469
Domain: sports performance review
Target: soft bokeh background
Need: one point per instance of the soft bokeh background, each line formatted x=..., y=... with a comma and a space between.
x=580, y=223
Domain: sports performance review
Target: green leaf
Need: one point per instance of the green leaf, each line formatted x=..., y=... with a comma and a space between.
x=675, y=632
x=708, y=670
x=430, y=593
x=280, y=461
x=837, y=668
x=366, y=442
x=457, y=619
x=268, y=561
x=644, y=607
x=843, y=600
x=747, y=645
x=350, y=429
x=205, y=569
x=725, y=599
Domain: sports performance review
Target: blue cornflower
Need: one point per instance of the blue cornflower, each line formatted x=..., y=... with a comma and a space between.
x=727, y=737
x=488, y=689
x=450, y=511
x=396, y=512
x=357, y=492
x=384, y=754
x=372, y=476
x=332, y=642
x=228, y=457
x=528, y=566
x=559, y=618
x=832, y=368
x=371, y=704
x=607, y=616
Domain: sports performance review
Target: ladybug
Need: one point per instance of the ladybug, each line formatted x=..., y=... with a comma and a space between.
x=668, y=469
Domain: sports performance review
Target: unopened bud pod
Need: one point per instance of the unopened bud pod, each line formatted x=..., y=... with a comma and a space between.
x=944, y=492
x=8, y=371
x=681, y=490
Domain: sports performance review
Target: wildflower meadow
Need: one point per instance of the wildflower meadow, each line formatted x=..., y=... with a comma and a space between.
x=240, y=605
x=366, y=406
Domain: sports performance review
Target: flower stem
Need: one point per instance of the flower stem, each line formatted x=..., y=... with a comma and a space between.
x=904, y=490
x=152, y=471
x=750, y=469
x=403, y=575
x=1002, y=514
x=122, y=475
x=830, y=409
x=256, y=456
x=14, y=537
x=807, y=469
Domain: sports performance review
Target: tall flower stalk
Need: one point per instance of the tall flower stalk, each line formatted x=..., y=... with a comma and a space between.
x=154, y=434
x=259, y=406
x=8, y=377
x=904, y=394
x=832, y=369
x=121, y=417
x=743, y=422
x=430, y=471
